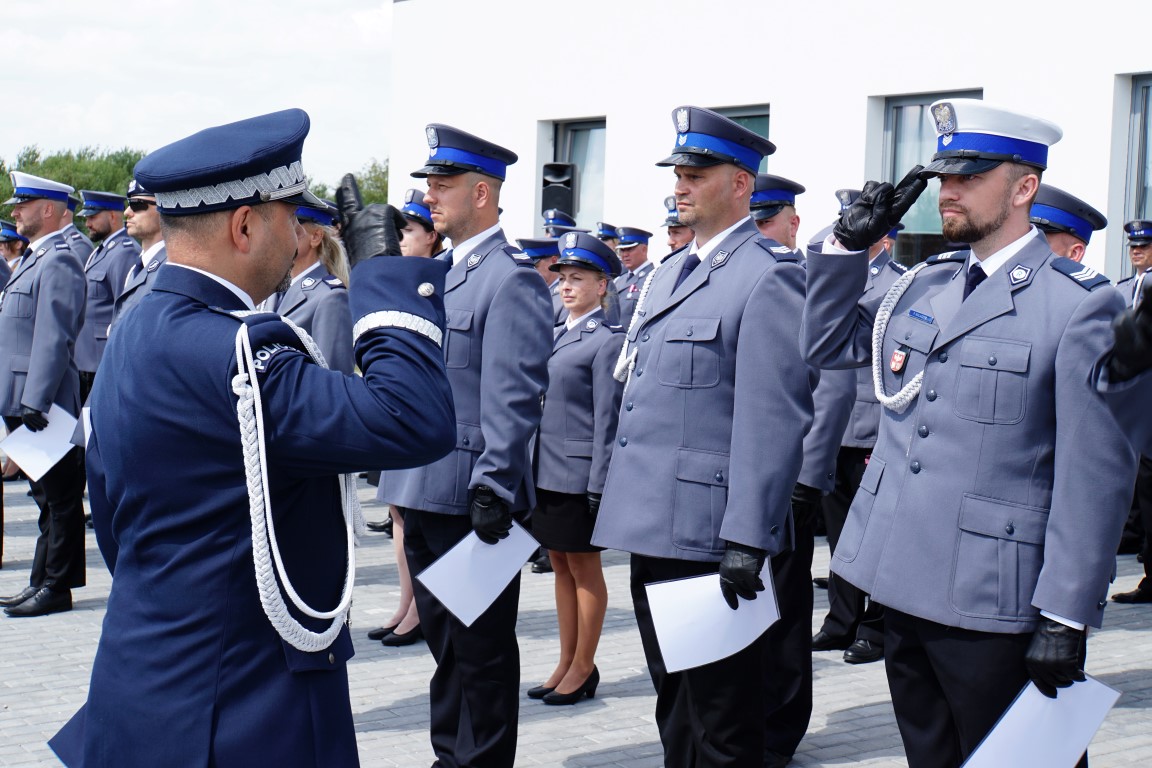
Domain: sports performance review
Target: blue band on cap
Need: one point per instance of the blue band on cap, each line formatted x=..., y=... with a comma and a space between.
x=749, y=157
x=463, y=156
x=1029, y=151
x=1080, y=227
x=50, y=194
x=540, y=253
x=630, y=238
x=1139, y=234
x=415, y=209
x=781, y=196
x=581, y=254
x=556, y=222
x=104, y=205
x=324, y=218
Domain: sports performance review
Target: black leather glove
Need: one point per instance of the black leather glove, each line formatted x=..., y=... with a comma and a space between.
x=33, y=419
x=878, y=209
x=1055, y=658
x=366, y=231
x=1132, y=351
x=806, y=505
x=740, y=573
x=490, y=516
x=594, y=504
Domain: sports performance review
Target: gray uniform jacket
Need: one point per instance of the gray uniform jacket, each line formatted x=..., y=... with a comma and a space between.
x=975, y=511
x=318, y=303
x=1128, y=401
x=41, y=311
x=580, y=408
x=709, y=439
x=79, y=242
x=105, y=270
x=496, y=349
x=139, y=285
x=864, y=421
x=628, y=287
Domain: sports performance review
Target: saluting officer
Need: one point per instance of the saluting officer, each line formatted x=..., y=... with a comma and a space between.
x=496, y=351
x=718, y=328
x=633, y=253
x=142, y=220
x=202, y=659
x=989, y=558
x=1066, y=221
x=106, y=271
x=41, y=311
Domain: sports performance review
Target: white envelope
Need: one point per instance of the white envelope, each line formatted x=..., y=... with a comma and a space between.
x=38, y=452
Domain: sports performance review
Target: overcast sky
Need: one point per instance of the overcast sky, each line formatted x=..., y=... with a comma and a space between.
x=142, y=73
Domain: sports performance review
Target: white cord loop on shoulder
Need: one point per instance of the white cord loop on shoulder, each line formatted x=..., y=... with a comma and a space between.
x=626, y=363
x=902, y=399
x=269, y=565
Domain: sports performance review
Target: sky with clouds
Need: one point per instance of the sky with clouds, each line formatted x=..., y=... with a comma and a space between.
x=142, y=73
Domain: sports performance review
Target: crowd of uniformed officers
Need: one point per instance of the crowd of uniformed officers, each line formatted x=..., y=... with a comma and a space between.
x=706, y=414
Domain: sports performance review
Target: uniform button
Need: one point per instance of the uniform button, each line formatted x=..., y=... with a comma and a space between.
x=923, y=430
x=689, y=332
x=639, y=371
x=465, y=441
x=1009, y=529
x=915, y=467
x=426, y=289
x=644, y=338
x=943, y=357
x=1101, y=604
x=774, y=529
x=628, y=407
x=719, y=477
x=623, y=441
x=331, y=658
x=992, y=360
x=931, y=395
x=908, y=335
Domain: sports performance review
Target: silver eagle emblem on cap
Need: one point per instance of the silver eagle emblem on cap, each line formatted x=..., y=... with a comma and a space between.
x=570, y=240
x=433, y=139
x=945, y=118
x=410, y=195
x=682, y=120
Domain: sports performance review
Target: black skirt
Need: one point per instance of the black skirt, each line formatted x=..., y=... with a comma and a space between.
x=561, y=522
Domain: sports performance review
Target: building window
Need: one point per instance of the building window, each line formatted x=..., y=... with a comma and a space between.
x=910, y=139
x=754, y=119
x=582, y=145
x=1138, y=185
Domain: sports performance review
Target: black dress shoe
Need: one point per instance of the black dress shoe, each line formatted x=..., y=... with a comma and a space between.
x=822, y=641
x=395, y=640
x=820, y=582
x=1141, y=594
x=539, y=692
x=381, y=632
x=13, y=600
x=385, y=526
x=542, y=564
x=588, y=688
x=44, y=602
x=863, y=652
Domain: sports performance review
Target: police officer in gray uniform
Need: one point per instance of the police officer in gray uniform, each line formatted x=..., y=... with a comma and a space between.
x=989, y=552
x=143, y=223
x=544, y=253
x=79, y=242
x=633, y=253
x=496, y=349
x=716, y=380
x=105, y=270
x=41, y=311
x=1140, y=252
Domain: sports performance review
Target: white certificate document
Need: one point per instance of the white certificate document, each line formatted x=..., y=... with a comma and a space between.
x=695, y=626
x=1037, y=730
x=470, y=576
x=38, y=452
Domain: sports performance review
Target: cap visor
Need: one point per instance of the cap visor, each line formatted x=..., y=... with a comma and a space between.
x=958, y=166
x=438, y=170
x=305, y=198
x=691, y=159
x=626, y=246
x=1139, y=241
x=760, y=214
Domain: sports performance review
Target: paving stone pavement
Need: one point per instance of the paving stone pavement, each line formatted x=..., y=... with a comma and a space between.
x=45, y=665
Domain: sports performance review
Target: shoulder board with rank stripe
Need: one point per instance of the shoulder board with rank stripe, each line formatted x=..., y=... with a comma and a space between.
x=951, y=256
x=778, y=251
x=62, y=246
x=334, y=281
x=517, y=255
x=1086, y=277
x=897, y=266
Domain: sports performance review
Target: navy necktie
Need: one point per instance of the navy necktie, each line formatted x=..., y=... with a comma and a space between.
x=691, y=261
x=976, y=275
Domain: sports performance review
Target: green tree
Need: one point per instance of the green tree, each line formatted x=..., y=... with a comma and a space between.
x=372, y=179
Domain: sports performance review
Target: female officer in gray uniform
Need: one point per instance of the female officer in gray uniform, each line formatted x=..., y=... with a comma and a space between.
x=573, y=448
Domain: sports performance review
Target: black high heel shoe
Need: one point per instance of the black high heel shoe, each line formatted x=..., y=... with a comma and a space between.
x=539, y=692
x=381, y=632
x=587, y=689
x=396, y=640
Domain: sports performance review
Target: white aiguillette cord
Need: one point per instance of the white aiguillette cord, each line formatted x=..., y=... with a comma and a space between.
x=902, y=399
x=627, y=360
x=265, y=552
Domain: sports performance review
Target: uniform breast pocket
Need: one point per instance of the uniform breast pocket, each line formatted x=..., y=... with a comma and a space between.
x=458, y=341
x=690, y=353
x=98, y=289
x=992, y=384
x=17, y=300
x=907, y=343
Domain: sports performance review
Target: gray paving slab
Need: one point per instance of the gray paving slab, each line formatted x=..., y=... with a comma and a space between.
x=45, y=663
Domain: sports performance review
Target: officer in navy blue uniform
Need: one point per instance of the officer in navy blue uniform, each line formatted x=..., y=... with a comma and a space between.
x=556, y=222
x=496, y=350
x=633, y=253
x=41, y=311
x=200, y=662
x=143, y=224
x=105, y=270
x=1066, y=221
x=715, y=371
x=982, y=370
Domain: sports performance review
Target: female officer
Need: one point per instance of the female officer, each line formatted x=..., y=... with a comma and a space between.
x=574, y=446
x=419, y=238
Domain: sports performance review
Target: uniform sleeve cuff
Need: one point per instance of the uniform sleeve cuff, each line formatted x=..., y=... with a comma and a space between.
x=1066, y=622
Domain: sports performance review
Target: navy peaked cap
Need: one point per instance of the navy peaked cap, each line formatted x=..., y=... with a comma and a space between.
x=1054, y=210
x=704, y=138
x=1139, y=232
x=583, y=249
x=673, y=217
x=540, y=248
x=98, y=202
x=452, y=151
x=555, y=216
x=630, y=237
x=772, y=193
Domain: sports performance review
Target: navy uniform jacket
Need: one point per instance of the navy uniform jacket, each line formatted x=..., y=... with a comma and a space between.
x=79, y=242
x=318, y=303
x=975, y=510
x=864, y=421
x=5, y=272
x=580, y=408
x=496, y=351
x=139, y=285
x=41, y=312
x=628, y=287
x=189, y=671
x=105, y=270
x=716, y=410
